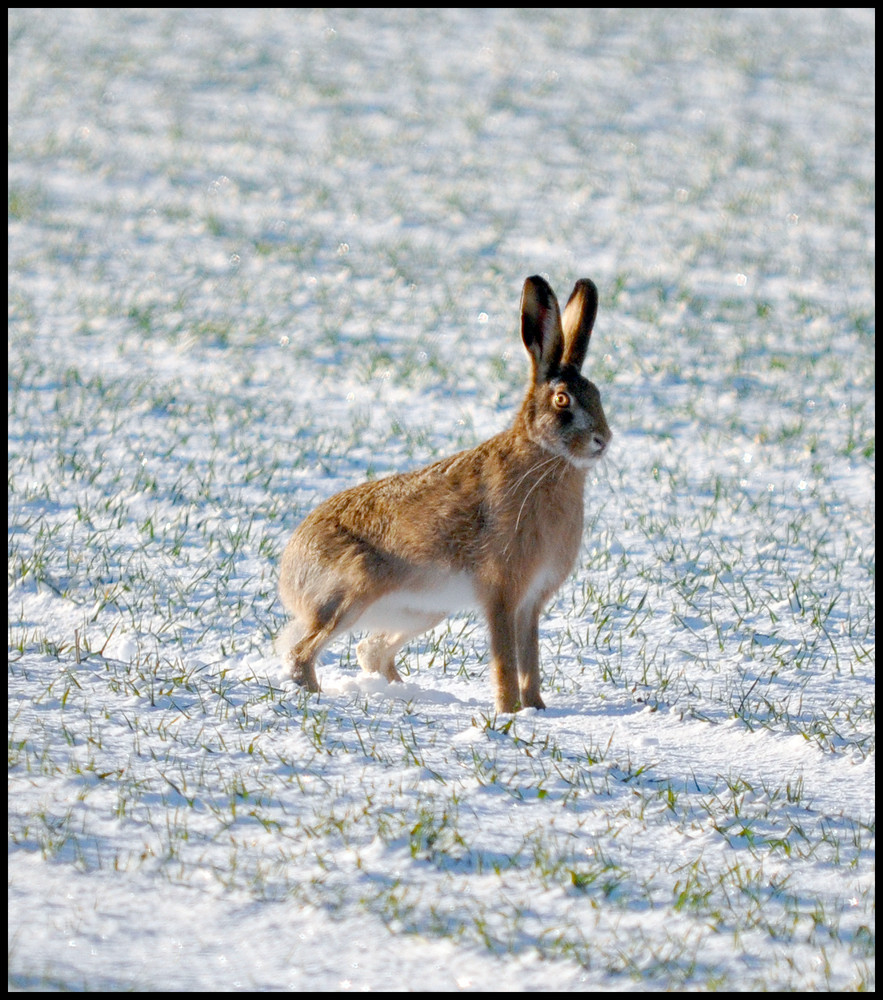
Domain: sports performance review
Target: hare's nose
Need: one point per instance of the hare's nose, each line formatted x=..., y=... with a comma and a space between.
x=600, y=442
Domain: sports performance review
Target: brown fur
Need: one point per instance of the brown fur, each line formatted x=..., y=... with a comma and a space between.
x=498, y=526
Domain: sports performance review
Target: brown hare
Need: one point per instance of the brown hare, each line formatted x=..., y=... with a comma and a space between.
x=496, y=528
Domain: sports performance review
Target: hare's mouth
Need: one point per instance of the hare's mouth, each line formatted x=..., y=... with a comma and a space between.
x=583, y=461
x=593, y=453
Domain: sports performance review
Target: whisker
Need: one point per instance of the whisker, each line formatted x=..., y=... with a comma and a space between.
x=527, y=495
x=539, y=465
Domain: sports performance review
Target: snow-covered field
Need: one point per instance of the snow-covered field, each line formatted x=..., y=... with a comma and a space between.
x=256, y=256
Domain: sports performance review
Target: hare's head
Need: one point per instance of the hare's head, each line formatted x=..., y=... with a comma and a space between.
x=562, y=411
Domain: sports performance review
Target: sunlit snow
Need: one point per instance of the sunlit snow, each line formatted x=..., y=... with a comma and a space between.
x=257, y=256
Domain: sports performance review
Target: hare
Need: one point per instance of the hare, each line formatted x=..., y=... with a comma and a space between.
x=496, y=528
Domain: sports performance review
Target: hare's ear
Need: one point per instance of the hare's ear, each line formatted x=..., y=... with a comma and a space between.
x=579, y=318
x=541, y=326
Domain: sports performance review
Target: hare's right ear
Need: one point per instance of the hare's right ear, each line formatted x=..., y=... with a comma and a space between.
x=579, y=319
x=541, y=326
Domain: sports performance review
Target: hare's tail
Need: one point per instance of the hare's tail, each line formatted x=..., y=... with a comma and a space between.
x=287, y=638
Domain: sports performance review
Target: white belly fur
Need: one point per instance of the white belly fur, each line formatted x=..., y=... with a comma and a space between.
x=418, y=608
x=410, y=609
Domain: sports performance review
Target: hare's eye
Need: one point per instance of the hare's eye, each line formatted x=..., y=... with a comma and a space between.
x=561, y=400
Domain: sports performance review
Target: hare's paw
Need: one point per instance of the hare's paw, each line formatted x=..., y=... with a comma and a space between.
x=376, y=655
x=302, y=672
x=532, y=700
x=507, y=699
x=512, y=697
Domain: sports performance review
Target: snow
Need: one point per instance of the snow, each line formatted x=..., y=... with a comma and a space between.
x=257, y=256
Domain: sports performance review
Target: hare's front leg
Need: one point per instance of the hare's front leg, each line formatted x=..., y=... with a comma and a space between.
x=504, y=654
x=528, y=628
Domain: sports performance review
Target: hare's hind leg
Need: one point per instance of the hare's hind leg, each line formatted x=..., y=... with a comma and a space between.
x=301, y=660
x=325, y=621
x=286, y=646
x=376, y=653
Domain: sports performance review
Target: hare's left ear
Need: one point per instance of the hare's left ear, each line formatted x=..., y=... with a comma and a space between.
x=579, y=319
x=541, y=326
